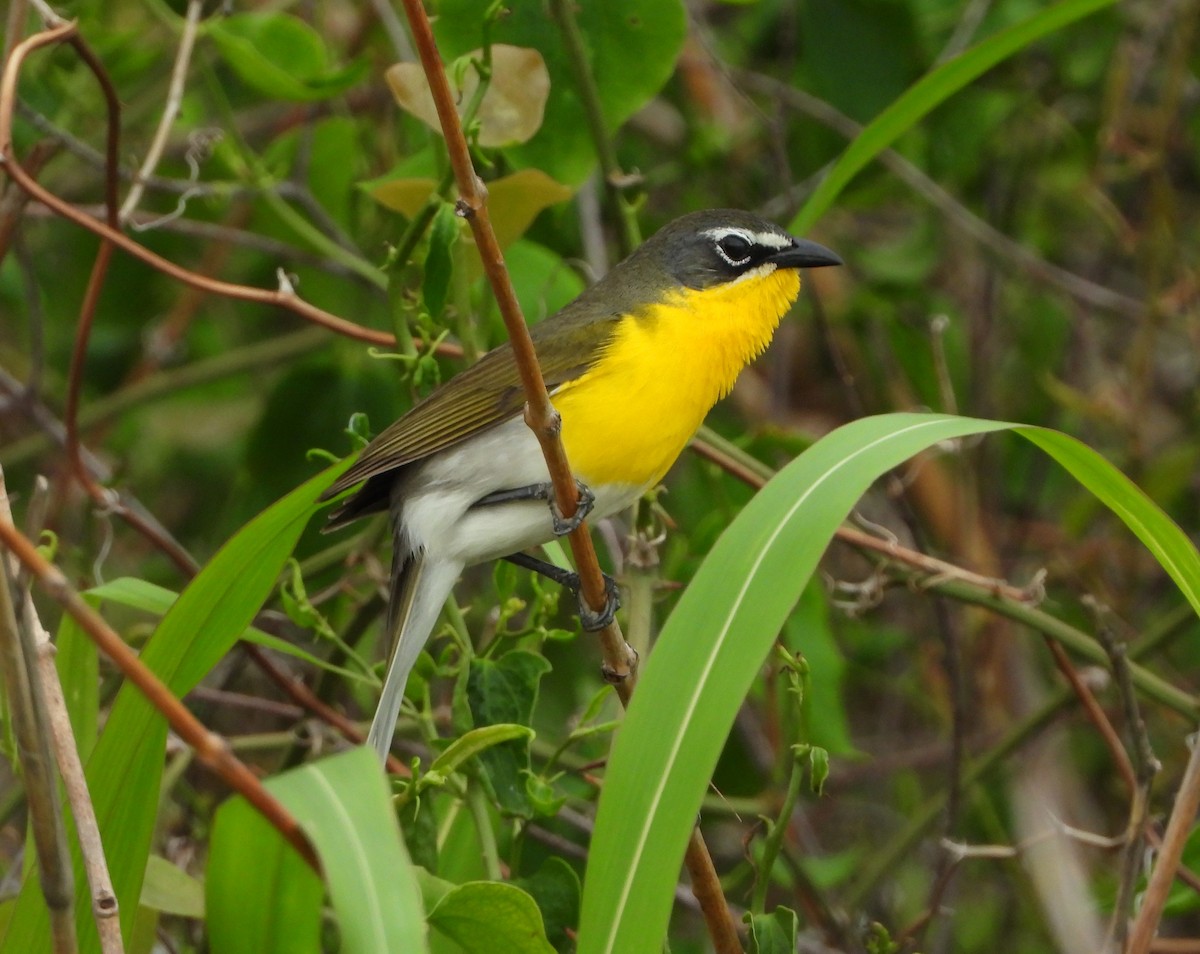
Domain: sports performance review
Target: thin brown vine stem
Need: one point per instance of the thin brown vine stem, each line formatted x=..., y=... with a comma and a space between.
x=183, y=57
x=91, y=298
x=1094, y=712
x=282, y=297
x=861, y=540
x=1187, y=801
x=540, y=415
x=26, y=706
x=104, y=903
x=210, y=748
x=619, y=660
x=307, y=699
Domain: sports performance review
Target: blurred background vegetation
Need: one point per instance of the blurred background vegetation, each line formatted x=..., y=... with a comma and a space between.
x=1027, y=252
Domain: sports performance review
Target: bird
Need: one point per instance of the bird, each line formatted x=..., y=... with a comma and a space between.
x=633, y=365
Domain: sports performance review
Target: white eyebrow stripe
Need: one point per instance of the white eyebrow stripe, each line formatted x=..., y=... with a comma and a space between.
x=766, y=239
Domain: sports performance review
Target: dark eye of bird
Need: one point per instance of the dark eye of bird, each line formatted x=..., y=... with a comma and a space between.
x=734, y=249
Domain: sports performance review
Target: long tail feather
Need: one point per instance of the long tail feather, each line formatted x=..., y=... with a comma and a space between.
x=419, y=590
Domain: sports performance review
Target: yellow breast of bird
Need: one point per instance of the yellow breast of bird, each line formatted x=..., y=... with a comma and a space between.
x=628, y=418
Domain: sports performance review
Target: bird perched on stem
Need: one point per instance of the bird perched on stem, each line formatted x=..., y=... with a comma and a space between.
x=632, y=365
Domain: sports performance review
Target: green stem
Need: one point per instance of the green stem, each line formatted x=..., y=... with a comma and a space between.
x=593, y=111
x=252, y=357
x=317, y=240
x=774, y=840
x=477, y=806
x=748, y=461
x=1073, y=639
x=906, y=839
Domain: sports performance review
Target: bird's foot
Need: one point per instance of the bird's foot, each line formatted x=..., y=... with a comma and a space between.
x=545, y=491
x=590, y=619
x=583, y=506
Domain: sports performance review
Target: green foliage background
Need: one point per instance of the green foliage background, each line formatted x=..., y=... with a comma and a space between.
x=1024, y=250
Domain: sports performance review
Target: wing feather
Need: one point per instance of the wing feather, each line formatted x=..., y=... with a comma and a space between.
x=484, y=395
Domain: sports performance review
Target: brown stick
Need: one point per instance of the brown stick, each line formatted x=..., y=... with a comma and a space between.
x=30, y=728
x=210, y=748
x=865, y=541
x=282, y=297
x=70, y=768
x=1141, y=936
x=620, y=662
x=540, y=415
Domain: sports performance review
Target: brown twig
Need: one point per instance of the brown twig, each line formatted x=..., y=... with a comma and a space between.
x=27, y=710
x=210, y=748
x=922, y=562
x=183, y=57
x=70, y=768
x=282, y=297
x=1187, y=801
x=619, y=660
x=306, y=698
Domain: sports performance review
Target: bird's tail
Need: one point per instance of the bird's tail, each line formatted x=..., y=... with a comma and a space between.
x=419, y=589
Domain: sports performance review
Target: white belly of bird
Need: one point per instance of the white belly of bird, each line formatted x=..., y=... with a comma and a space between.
x=438, y=496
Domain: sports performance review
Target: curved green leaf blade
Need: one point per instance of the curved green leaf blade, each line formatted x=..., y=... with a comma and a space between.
x=1160, y=534
x=261, y=897
x=125, y=770
x=473, y=743
x=715, y=641
x=344, y=806
x=281, y=56
x=932, y=90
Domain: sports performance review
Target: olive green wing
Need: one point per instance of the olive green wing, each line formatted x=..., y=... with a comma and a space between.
x=485, y=394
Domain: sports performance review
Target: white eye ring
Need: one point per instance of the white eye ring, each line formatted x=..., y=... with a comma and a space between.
x=739, y=239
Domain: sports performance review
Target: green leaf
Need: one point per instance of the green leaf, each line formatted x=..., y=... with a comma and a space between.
x=773, y=933
x=124, y=772
x=171, y=890
x=78, y=663
x=713, y=645
x=474, y=743
x=484, y=917
x=157, y=600
x=931, y=90
x=502, y=692
x=439, y=263
x=818, y=768
x=262, y=897
x=1158, y=532
x=344, y=806
x=281, y=56
x=618, y=33
x=555, y=887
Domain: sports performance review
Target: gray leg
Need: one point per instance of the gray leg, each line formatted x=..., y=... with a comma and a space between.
x=588, y=618
x=562, y=525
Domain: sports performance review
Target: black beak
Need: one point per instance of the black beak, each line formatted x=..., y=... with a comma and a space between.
x=804, y=254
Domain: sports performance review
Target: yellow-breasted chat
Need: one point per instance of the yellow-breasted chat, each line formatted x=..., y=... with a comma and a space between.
x=633, y=365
